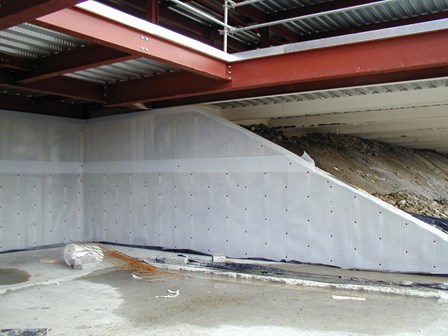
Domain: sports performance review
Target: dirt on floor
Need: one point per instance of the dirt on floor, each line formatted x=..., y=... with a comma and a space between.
x=413, y=180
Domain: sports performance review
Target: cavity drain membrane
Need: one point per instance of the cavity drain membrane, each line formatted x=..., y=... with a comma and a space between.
x=191, y=180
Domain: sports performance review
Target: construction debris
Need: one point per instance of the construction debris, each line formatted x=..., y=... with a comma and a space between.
x=172, y=294
x=82, y=256
x=137, y=267
x=218, y=258
x=354, y=298
x=174, y=259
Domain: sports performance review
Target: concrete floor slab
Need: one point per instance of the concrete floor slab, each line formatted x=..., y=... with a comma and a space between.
x=107, y=301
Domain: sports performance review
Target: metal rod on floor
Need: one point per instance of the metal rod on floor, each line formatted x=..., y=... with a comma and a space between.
x=200, y=13
x=308, y=16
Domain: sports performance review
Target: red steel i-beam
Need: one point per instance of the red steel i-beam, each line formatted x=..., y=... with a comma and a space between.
x=72, y=61
x=15, y=12
x=387, y=60
x=59, y=86
x=105, y=32
x=152, y=11
x=388, y=56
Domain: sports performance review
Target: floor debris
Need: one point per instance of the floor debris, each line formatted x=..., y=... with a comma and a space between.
x=137, y=267
x=218, y=258
x=172, y=294
x=82, y=256
x=354, y=298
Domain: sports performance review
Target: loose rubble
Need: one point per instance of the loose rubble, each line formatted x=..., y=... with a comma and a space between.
x=416, y=204
x=412, y=180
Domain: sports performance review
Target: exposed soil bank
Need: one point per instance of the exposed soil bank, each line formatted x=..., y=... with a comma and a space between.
x=413, y=180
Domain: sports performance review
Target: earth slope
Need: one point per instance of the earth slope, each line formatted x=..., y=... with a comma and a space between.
x=413, y=180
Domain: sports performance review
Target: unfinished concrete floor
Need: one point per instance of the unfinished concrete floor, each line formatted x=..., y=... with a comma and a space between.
x=107, y=301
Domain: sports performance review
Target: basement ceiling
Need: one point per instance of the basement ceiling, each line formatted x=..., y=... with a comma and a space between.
x=86, y=59
x=307, y=19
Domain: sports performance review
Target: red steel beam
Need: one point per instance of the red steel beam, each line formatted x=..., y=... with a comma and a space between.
x=14, y=62
x=68, y=87
x=304, y=86
x=381, y=56
x=58, y=86
x=152, y=11
x=76, y=60
x=15, y=12
x=387, y=57
x=167, y=86
x=105, y=32
x=25, y=104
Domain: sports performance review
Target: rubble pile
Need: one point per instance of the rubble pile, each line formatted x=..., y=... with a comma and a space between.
x=413, y=180
x=416, y=204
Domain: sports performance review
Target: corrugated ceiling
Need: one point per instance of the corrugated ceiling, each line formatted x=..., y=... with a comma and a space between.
x=123, y=71
x=30, y=41
x=33, y=42
x=385, y=11
x=337, y=93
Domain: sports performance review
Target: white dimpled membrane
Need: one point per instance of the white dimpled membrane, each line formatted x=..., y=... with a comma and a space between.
x=192, y=180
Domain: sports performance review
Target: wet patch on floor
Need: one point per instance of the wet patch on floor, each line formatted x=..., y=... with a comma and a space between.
x=11, y=276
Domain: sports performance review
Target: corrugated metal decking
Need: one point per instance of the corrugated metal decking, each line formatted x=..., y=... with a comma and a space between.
x=123, y=71
x=325, y=94
x=31, y=41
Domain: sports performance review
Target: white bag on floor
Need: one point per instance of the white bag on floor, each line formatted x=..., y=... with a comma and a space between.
x=80, y=256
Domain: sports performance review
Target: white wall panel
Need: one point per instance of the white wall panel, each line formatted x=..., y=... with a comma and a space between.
x=191, y=180
x=40, y=181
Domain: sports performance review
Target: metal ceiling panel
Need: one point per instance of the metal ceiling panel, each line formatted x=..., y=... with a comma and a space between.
x=30, y=41
x=123, y=71
x=326, y=94
x=270, y=6
x=385, y=11
x=337, y=19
